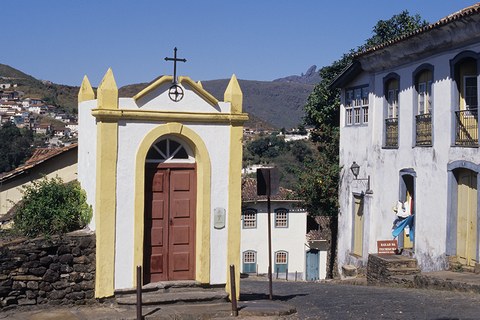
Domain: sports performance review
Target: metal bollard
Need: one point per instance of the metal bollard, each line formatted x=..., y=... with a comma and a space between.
x=233, y=291
x=286, y=274
x=277, y=274
x=139, y=293
x=295, y=276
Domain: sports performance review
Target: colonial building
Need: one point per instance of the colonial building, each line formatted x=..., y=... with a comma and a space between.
x=45, y=162
x=294, y=255
x=409, y=120
x=162, y=171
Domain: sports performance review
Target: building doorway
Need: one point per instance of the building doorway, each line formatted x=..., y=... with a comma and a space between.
x=170, y=206
x=466, y=217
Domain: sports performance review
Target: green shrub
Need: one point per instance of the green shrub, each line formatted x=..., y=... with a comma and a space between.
x=51, y=207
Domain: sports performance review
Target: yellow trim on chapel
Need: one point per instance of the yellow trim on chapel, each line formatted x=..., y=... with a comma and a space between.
x=168, y=116
x=202, y=233
x=234, y=95
x=197, y=88
x=105, y=196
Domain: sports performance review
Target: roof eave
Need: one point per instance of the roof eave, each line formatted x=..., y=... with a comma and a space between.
x=346, y=76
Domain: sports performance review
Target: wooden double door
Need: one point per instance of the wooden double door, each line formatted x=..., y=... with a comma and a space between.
x=170, y=203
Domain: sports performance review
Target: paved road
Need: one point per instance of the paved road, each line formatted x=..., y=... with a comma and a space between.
x=328, y=301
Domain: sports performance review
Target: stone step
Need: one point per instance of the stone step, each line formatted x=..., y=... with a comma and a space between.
x=403, y=271
x=159, y=297
x=163, y=286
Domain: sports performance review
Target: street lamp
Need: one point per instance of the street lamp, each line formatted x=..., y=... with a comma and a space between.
x=355, y=168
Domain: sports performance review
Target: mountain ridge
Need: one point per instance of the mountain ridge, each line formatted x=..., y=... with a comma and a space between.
x=270, y=104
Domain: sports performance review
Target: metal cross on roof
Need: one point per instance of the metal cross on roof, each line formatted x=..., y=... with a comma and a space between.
x=175, y=59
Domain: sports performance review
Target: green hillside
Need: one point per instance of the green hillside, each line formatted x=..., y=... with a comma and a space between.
x=64, y=97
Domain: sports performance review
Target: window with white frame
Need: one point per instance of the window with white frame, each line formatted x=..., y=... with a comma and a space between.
x=424, y=91
x=391, y=89
x=249, y=261
x=356, y=106
x=281, y=261
x=281, y=218
x=249, y=219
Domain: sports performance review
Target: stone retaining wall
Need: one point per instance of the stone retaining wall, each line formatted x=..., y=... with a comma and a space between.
x=58, y=270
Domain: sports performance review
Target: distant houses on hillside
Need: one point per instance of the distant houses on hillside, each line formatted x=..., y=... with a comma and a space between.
x=25, y=111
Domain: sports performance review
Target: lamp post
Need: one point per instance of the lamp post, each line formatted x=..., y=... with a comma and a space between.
x=355, y=168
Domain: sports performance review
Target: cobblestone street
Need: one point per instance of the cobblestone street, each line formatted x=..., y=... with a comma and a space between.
x=339, y=302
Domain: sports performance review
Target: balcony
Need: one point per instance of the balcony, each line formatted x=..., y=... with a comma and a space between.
x=391, y=133
x=423, y=129
x=466, y=127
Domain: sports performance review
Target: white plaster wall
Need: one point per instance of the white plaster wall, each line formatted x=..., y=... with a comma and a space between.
x=130, y=135
x=291, y=239
x=159, y=100
x=364, y=145
x=87, y=152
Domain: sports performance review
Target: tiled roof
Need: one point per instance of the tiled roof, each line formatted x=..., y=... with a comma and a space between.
x=468, y=11
x=249, y=192
x=39, y=155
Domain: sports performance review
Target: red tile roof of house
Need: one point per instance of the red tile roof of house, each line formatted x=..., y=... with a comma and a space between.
x=39, y=155
x=468, y=11
x=249, y=192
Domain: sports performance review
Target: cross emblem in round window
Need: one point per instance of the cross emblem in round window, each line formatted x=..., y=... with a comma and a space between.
x=175, y=92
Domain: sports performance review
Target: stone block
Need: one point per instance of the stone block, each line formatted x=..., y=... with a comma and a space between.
x=60, y=285
x=55, y=266
x=66, y=258
x=19, y=285
x=46, y=261
x=80, y=268
x=32, y=285
x=45, y=286
x=81, y=260
x=56, y=295
x=51, y=276
x=40, y=271
x=30, y=294
x=26, y=302
x=26, y=278
x=349, y=270
x=63, y=249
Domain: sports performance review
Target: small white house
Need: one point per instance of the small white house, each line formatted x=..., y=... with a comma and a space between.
x=291, y=252
x=409, y=120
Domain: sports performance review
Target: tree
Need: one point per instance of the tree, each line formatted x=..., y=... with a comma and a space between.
x=15, y=144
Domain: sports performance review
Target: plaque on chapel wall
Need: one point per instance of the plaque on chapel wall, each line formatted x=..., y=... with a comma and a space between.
x=219, y=218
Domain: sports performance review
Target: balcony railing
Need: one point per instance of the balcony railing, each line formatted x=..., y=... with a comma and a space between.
x=423, y=130
x=391, y=133
x=466, y=127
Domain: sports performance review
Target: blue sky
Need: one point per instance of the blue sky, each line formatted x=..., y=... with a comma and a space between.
x=61, y=40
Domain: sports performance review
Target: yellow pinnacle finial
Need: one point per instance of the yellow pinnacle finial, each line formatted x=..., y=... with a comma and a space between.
x=199, y=84
x=234, y=95
x=86, y=92
x=107, y=93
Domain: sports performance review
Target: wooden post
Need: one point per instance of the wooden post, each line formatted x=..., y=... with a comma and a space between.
x=233, y=291
x=139, y=293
